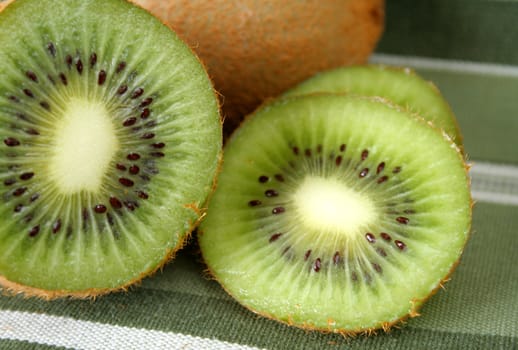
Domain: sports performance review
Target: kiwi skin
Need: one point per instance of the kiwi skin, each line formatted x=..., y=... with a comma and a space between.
x=416, y=304
x=255, y=49
x=199, y=209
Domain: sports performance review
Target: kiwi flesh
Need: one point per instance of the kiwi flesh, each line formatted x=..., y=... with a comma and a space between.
x=337, y=213
x=256, y=49
x=401, y=85
x=111, y=139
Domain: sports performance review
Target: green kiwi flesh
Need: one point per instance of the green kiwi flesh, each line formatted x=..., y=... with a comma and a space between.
x=402, y=86
x=336, y=213
x=111, y=139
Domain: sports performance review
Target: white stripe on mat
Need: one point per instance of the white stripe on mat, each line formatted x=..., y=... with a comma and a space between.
x=446, y=65
x=494, y=183
x=76, y=334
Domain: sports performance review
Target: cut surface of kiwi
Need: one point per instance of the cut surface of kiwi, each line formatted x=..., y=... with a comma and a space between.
x=336, y=213
x=402, y=86
x=111, y=138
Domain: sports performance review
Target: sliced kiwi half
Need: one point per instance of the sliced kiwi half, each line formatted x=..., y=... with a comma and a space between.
x=402, y=86
x=336, y=213
x=111, y=139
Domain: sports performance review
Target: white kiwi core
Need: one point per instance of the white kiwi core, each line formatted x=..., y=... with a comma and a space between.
x=85, y=143
x=326, y=204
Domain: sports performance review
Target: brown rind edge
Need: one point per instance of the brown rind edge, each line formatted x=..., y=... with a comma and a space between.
x=416, y=304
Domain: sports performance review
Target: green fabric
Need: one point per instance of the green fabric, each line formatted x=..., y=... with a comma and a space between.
x=476, y=30
x=489, y=121
x=477, y=309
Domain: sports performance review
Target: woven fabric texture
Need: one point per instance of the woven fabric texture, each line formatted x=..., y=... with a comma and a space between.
x=468, y=48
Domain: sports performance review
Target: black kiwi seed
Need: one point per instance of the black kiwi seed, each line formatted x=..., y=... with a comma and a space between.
x=93, y=60
x=382, y=179
x=157, y=154
x=278, y=210
x=122, y=89
x=370, y=237
x=133, y=156
x=28, y=93
x=145, y=113
x=263, y=179
x=134, y=169
x=279, y=177
x=403, y=220
x=146, y=102
x=142, y=195
x=380, y=167
x=400, y=244
x=9, y=182
x=51, y=49
x=130, y=121
x=137, y=93
x=275, y=237
x=32, y=76
x=68, y=61
x=317, y=265
x=63, y=78
x=79, y=66
x=45, y=105
x=254, y=203
x=115, y=203
x=271, y=193
x=126, y=182
x=100, y=208
x=120, y=67
x=56, y=226
x=19, y=191
x=26, y=176
x=34, y=231
x=385, y=236
x=101, y=77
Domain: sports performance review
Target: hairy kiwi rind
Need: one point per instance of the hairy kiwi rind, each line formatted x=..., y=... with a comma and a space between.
x=246, y=68
x=198, y=208
x=416, y=304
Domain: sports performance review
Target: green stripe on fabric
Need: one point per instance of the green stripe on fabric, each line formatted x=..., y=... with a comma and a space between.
x=475, y=30
x=6, y=344
x=483, y=100
x=478, y=306
x=486, y=108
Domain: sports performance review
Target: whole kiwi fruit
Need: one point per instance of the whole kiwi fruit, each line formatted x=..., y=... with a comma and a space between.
x=255, y=49
x=337, y=213
x=110, y=142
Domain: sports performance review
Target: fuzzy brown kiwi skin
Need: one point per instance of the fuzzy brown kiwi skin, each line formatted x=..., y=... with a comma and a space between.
x=415, y=304
x=11, y=288
x=229, y=38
